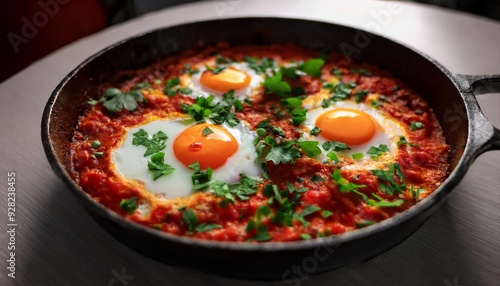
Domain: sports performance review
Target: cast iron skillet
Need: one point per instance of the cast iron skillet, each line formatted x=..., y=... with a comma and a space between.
x=451, y=96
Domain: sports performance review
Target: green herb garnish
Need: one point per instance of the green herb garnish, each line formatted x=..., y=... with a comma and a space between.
x=129, y=205
x=376, y=152
x=345, y=186
x=415, y=125
x=153, y=145
x=387, y=183
x=158, y=167
x=115, y=100
x=200, y=179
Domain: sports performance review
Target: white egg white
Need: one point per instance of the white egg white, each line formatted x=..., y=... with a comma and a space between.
x=129, y=160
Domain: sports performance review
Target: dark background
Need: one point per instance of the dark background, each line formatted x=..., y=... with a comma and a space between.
x=31, y=29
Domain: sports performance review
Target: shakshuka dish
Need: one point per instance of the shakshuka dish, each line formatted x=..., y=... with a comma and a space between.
x=258, y=143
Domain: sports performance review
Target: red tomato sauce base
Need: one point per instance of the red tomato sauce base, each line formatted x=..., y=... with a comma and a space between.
x=424, y=164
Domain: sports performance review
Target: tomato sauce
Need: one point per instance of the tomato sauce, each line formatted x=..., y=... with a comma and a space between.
x=424, y=162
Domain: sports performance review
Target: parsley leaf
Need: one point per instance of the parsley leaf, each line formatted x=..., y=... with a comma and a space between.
x=190, y=219
x=312, y=67
x=220, y=112
x=158, y=167
x=242, y=189
x=335, y=145
x=376, y=152
x=310, y=148
x=200, y=179
x=315, y=178
x=261, y=66
x=256, y=223
x=315, y=131
x=387, y=182
x=203, y=227
x=153, y=145
x=305, y=236
x=309, y=209
x=415, y=125
x=360, y=95
x=129, y=205
x=383, y=203
x=115, y=100
x=346, y=186
x=364, y=223
x=206, y=131
x=190, y=70
x=274, y=84
x=283, y=153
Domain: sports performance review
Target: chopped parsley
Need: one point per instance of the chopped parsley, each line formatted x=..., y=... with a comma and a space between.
x=153, y=145
x=305, y=236
x=259, y=66
x=332, y=156
x=203, y=227
x=376, y=104
x=345, y=186
x=387, y=183
x=380, y=202
x=96, y=144
x=315, y=131
x=129, y=205
x=357, y=156
x=97, y=154
x=158, y=167
x=222, y=60
x=220, y=112
x=364, y=223
x=361, y=71
x=326, y=213
x=206, y=131
x=256, y=224
x=241, y=190
x=310, y=148
x=189, y=218
x=415, y=125
x=415, y=193
x=312, y=67
x=200, y=179
x=336, y=71
x=360, y=95
x=115, y=100
x=189, y=70
x=275, y=85
x=376, y=152
x=141, y=85
x=335, y=145
x=402, y=141
x=169, y=86
x=315, y=178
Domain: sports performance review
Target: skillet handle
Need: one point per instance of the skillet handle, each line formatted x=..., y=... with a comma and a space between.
x=486, y=137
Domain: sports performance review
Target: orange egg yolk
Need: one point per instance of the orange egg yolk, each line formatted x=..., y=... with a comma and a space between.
x=211, y=150
x=229, y=78
x=347, y=125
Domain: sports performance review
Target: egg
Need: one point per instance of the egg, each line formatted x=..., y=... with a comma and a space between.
x=360, y=127
x=235, y=76
x=229, y=151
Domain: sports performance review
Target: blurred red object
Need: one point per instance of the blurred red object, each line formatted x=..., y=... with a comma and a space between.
x=31, y=29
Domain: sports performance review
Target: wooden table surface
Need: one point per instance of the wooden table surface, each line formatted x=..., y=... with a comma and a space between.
x=58, y=243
